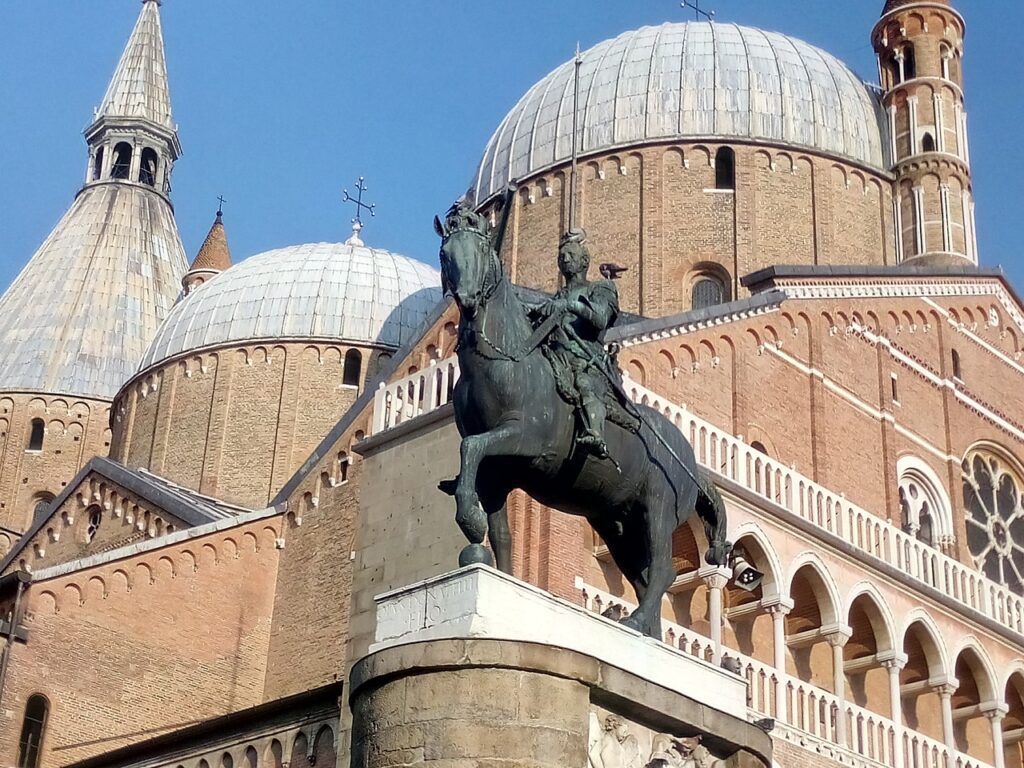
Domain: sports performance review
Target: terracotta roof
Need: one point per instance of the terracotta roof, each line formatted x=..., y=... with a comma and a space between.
x=214, y=255
x=139, y=87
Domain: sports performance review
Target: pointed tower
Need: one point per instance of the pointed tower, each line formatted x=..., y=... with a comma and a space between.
x=75, y=323
x=213, y=258
x=920, y=53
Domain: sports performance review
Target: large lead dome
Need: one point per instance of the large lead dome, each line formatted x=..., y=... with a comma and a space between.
x=333, y=291
x=688, y=81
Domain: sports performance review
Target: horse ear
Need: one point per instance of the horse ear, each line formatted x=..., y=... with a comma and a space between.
x=439, y=228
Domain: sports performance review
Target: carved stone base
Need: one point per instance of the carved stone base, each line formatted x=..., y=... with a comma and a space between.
x=477, y=669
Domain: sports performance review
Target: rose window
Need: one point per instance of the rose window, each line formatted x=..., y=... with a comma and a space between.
x=995, y=519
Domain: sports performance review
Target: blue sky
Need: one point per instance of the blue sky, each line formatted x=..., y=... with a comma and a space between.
x=281, y=105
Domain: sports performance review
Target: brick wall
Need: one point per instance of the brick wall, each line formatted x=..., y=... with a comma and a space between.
x=234, y=423
x=76, y=429
x=145, y=644
x=656, y=211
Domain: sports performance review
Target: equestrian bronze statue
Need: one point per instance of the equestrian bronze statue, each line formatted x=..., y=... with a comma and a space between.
x=540, y=407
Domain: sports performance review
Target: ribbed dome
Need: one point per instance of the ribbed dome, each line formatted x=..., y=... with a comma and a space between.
x=336, y=291
x=688, y=81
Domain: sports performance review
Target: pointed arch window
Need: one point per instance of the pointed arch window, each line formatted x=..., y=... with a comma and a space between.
x=353, y=368
x=725, y=168
x=35, y=438
x=147, y=167
x=32, y=731
x=122, y=164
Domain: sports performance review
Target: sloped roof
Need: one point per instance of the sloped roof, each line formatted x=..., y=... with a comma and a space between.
x=214, y=254
x=139, y=88
x=79, y=317
x=190, y=507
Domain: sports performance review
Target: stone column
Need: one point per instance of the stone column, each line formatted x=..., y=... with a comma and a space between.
x=837, y=637
x=779, y=609
x=715, y=577
x=945, y=689
x=995, y=711
x=894, y=662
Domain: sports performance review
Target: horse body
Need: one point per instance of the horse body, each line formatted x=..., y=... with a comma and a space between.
x=518, y=433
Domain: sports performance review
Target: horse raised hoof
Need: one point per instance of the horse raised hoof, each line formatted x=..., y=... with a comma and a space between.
x=448, y=486
x=472, y=554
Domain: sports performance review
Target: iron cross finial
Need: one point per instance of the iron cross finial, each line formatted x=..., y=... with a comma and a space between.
x=360, y=205
x=694, y=5
x=220, y=208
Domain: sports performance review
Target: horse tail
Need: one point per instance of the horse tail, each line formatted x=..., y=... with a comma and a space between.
x=711, y=511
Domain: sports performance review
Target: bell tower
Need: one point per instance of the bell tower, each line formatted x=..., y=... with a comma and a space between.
x=919, y=44
x=132, y=137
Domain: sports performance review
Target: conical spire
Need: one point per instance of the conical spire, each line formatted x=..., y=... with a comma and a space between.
x=79, y=317
x=139, y=90
x=213, y=258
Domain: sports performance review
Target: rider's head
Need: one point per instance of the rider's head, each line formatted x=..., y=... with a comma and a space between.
x=573, y=258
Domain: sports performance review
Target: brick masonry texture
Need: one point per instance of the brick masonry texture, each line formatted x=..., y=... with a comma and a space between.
x=656, y=211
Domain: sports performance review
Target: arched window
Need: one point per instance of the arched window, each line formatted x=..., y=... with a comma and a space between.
x=725, y=168
x=147, y=168
x=759, y=447
x=909, y=62
x=924, y=504
x=708, y=291
x=353, y=368
x=42, y=507
x=928, y=143
x=93, y=524
x=957, y=369
x=35, y=439
x=944, y=56
x=122, y=161
x=32, y=731
x=97, y=168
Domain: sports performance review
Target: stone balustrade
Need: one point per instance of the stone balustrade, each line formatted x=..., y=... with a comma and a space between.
x=804, y=714
x=790, y=493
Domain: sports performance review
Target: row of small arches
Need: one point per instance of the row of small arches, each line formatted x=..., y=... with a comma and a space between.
x=123, y=580
x=121, y=164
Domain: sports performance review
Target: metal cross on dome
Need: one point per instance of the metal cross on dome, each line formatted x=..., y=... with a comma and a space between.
x=220, y=208
x=360, y=205
x=694, y=5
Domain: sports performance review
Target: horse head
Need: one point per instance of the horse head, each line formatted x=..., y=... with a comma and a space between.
x=470, y=268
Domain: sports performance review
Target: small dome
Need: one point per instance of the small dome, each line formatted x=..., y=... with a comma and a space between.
x=695, y=80
x=332, y=291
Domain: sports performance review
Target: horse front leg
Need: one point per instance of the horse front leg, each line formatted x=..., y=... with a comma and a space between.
x=470, y=514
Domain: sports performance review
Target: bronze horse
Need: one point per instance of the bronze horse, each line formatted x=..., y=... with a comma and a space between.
x=517, y=432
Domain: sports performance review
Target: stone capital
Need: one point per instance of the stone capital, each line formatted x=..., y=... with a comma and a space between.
x=715, y=576
x=837, y=635
x=778, y=605
x=893, y=660
x=945, y=685
x=994, y=710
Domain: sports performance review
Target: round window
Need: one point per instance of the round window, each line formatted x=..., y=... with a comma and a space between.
x=995, y=519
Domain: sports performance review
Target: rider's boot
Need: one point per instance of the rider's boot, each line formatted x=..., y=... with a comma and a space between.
x=592, y=411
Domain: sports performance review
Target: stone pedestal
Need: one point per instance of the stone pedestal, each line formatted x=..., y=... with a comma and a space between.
x=475, y=668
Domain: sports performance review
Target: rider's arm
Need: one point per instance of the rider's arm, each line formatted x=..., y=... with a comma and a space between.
x=599, y=308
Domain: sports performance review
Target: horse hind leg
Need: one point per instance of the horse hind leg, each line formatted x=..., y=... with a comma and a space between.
x=658, y=526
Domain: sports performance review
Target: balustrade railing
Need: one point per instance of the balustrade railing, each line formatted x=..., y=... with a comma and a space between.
x=414, y=395
x=424, y=391
x=803, y=710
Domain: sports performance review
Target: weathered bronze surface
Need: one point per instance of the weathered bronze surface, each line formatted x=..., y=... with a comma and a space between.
x=540, y=407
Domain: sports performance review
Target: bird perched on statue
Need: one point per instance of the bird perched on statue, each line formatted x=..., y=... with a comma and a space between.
x=611, y=271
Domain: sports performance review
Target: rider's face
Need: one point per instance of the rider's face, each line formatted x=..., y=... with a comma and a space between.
x=570, y=260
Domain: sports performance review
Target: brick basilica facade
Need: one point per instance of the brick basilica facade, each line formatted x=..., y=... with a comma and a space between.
x=194, y=534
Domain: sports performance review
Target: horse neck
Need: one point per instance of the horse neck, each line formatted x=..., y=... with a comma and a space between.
x=503, y=318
